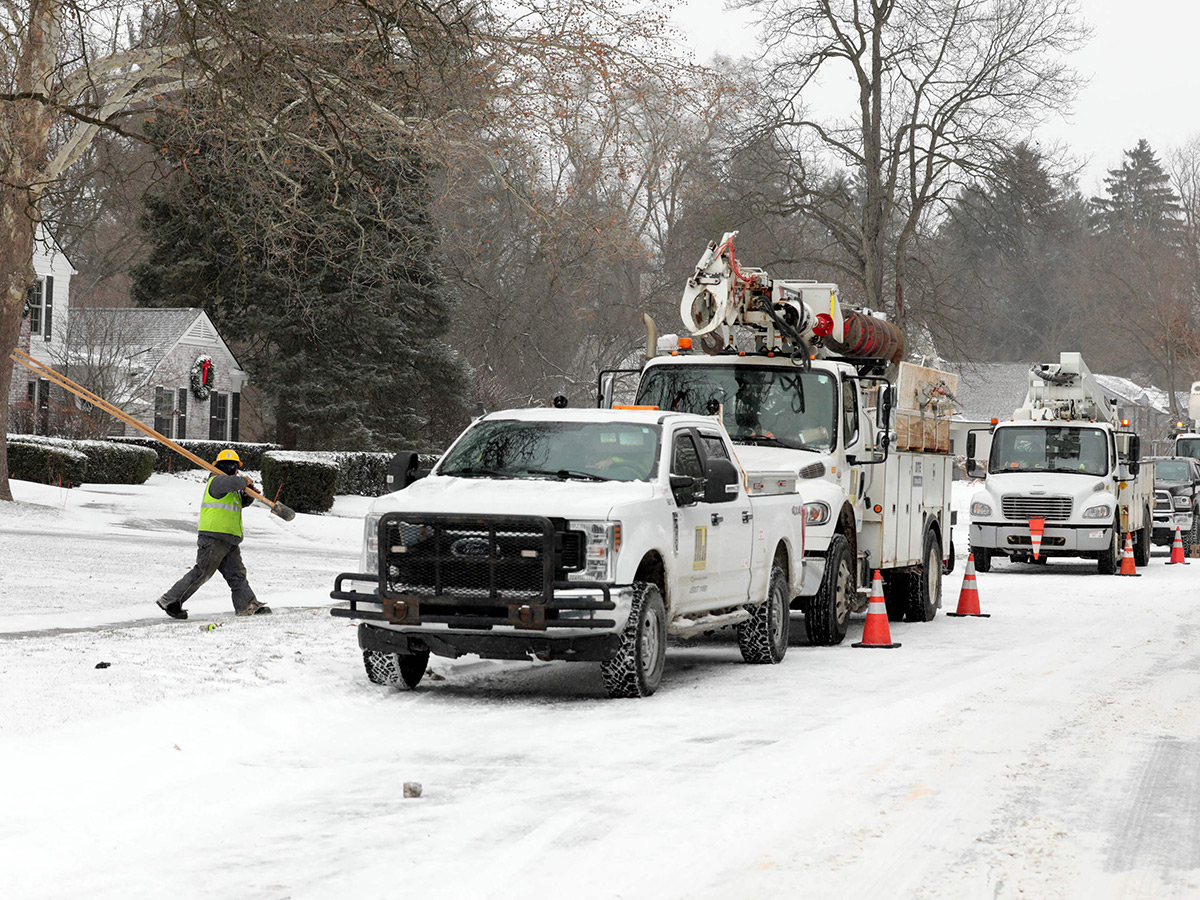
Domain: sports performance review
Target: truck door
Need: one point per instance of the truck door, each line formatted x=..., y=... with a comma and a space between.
x=733, y=525
x=696, y=537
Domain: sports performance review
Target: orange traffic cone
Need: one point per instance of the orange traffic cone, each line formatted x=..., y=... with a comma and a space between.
x=968, y=597
x=1177, y=550
x=1037, y=527
x=1127, y=567
x=876, y=632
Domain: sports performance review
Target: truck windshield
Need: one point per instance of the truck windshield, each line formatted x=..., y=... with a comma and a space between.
x=1049, y=449
x=1171, y=470
x=567, y=451
x=1187, y=447
x=774, y=406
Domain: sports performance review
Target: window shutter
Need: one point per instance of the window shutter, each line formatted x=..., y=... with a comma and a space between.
x=181, y=422
x=235, y=416
x=43, y=397
x=49, y=306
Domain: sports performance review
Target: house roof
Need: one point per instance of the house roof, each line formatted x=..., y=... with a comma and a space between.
x=153, y=333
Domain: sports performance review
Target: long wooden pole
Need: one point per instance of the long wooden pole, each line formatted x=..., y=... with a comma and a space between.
x=284, y=512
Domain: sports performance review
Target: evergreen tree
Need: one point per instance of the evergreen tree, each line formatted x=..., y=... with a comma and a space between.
x=328, y=281
x=1138, y=197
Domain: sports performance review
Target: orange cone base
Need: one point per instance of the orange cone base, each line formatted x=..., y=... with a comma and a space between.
x=876, y=646
x=972, y=615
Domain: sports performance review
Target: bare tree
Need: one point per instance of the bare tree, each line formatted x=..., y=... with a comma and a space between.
x=473, y=74
x=941, y=89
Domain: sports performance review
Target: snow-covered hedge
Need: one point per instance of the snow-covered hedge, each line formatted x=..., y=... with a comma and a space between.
x=107, y=463
x=170, y=461
x=304, y=481
x=45, y=462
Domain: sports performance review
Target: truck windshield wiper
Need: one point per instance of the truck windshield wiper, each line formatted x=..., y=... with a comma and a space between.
x=761, y=439
x=474, y=472
x=568, y=473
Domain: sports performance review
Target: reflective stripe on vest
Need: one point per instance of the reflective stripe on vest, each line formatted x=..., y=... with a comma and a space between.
x=221, y=514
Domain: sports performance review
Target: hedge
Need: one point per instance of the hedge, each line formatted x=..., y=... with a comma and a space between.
x=45, y=462
x=303, y=481
x=110, y=463
x=170, y=461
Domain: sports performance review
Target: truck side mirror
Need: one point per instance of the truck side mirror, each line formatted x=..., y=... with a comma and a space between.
x=883, y=410
x=684, y=488
x=721, y=483
x=403, y=470
x=1135, y=454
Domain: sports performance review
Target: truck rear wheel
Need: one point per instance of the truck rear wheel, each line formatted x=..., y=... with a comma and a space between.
x=763, y=638
x=395, y=668
x=1141, y=542
x=983, y=559
x=916, y=593
x=827, y=615
x=636, y=670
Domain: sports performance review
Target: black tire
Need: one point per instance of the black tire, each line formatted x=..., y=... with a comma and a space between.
x=1193, y=535
x=895, y=594
x=1141, y=542
x=827, y=614
x=637, y=669
x=949, y=566
x=983, y=559
x=763, y=638
x=1107, y=562
x=917, y=592
x=394, y=669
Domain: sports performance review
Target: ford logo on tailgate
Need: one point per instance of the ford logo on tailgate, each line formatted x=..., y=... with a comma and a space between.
x=471, y=548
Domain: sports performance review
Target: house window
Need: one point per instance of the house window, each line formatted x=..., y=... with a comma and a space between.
x=218, y=417
x=43, y=406
x=40, y=301
x=163, y=408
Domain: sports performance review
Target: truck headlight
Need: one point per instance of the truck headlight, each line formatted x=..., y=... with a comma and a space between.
x=979, y=508
x=816, y=513
x=370, y=553
x=1103, y=511
x=601, y=544
x=1183, y=502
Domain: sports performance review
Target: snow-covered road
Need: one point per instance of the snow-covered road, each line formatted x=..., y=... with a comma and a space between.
x=1052, y=750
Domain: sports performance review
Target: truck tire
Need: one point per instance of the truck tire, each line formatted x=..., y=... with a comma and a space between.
x=827, y=614
x=395, y=668
x=763, y=638
x=1141, y=542
x=917, y=593
x=1193, y=535
x=637, y=668
x=949, y=566
x=983, y=559
x=1108, y=560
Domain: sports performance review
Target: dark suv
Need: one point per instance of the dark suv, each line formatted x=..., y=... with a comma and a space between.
x=1176, y=493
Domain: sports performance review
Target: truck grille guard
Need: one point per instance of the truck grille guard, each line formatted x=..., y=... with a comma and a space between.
x=474, y=572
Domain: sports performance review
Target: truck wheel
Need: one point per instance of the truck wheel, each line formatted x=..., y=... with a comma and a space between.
x=1141, y=543
x=763, y=638
x=637, y=668
x=827, y=615
x=1193, y=535
x=949, y=566
x=916, y=593
x=983, y=559
x=1107, y=562
x=394, y=668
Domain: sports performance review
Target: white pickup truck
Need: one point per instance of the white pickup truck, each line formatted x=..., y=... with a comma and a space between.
x=577, y=535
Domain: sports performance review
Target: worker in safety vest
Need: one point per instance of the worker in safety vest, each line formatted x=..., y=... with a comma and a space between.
x=220, y=533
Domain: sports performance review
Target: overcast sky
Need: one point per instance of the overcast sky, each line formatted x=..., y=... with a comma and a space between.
x=1140, y=65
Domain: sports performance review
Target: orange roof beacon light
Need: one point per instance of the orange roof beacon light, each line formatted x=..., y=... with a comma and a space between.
x=631, y=406
x=995, y=421
x=685, y=343
x=1124, y=423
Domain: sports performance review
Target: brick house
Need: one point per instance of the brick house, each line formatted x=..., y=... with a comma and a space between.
x=43, y=331
x=169, y=367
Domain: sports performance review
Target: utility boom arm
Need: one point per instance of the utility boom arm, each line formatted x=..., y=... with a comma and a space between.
x=1065, y=390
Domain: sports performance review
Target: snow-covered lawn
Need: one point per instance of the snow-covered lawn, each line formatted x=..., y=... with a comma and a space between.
x=1052, y=750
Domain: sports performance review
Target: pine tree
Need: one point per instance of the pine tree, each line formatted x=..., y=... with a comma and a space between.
x=1138, y=197
x=329, y=283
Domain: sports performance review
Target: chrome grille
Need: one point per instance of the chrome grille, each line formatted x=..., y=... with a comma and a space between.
x=1162, y=501
x=1052, y=509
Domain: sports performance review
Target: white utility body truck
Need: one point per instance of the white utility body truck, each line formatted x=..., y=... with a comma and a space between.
x=1188, y=443
x=578, y=535
x=807, y=392
x=1064, y=466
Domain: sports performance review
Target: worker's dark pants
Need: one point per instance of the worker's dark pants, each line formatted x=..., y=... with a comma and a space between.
x=214, y=555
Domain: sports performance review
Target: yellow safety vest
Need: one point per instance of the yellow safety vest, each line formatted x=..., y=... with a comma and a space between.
x=222, y=515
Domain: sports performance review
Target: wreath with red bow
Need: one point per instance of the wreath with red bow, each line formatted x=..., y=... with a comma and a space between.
x=203, y=377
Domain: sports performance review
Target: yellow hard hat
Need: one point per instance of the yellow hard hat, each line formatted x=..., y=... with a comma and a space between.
x=229, y=455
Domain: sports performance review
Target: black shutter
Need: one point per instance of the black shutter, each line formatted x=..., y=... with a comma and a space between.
x=43, y=397
x=49, y=306
x=181, y=423
x=235, y=416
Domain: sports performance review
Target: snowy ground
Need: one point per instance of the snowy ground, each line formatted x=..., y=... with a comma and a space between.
x=1052, y=750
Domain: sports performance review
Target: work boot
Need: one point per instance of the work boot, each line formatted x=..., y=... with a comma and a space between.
x=254, y=608
x=174, y=609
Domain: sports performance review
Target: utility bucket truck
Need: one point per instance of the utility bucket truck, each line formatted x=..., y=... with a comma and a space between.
x=1188, y=442
x=1064, y=477
x=802, y=386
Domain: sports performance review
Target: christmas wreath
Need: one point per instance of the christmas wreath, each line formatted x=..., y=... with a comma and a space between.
x=203, y=377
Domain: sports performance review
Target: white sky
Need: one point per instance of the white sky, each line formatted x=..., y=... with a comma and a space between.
x=1140, y=66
